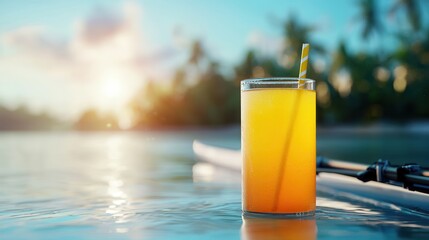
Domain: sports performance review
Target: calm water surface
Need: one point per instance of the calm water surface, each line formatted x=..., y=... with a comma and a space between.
x=141, y=186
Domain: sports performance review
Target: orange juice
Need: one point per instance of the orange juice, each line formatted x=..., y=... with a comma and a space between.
x=279, y=150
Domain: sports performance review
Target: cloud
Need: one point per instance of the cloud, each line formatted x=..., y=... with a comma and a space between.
x=32, y=45
x=101, y=25
x=105, y=47
x=33, y=40
x=104, y=38
x=108, y=36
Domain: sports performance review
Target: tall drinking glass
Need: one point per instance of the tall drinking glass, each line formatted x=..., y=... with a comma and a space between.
x=278, y=135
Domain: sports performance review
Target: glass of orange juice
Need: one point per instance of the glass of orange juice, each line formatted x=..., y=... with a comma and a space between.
x=278, y=135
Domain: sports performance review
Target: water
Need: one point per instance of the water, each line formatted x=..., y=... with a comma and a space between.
x=141, y=186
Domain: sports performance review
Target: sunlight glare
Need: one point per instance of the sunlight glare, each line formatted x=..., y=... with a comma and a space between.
x=112, y=88
x=115, y=89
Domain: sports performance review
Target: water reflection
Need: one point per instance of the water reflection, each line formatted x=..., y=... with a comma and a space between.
x=263, y=228
x=347, y=207
x=126, y=185
x=205, y=172
x=118, y=205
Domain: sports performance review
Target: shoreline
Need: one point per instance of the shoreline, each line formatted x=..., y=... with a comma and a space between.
x=419, y=127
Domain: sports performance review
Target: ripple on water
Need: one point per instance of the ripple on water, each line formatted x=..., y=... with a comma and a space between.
x=126, y=186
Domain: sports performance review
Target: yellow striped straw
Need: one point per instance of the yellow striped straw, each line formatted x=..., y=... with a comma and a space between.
x=304, y=61
x=301, y=83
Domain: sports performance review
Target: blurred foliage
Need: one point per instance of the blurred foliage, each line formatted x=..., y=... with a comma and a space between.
x=370, y=17
x=412, y=10
x=212, y=100
x=352, y=87
x=92, y=120
x=22, y=119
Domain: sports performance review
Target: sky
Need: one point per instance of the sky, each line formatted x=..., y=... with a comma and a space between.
x=63, y=57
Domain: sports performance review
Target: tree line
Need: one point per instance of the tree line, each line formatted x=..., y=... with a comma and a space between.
x=352, y=87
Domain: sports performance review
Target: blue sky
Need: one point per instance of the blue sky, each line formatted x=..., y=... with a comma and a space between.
x=48, y=61
x=223, y=25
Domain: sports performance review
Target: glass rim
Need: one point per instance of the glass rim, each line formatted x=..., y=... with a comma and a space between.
x=278, y=82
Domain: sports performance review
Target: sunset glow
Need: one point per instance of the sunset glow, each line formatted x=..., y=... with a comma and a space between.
x=112, y=89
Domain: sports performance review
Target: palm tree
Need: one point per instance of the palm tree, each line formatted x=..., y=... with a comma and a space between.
x=341, y=58
x=413, y=13
x=197, y=53
x=245, y=68
x=295, y=34
x=369, y=16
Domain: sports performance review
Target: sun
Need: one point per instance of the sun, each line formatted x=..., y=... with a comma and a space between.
x=112, y=88
x=114, y=93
